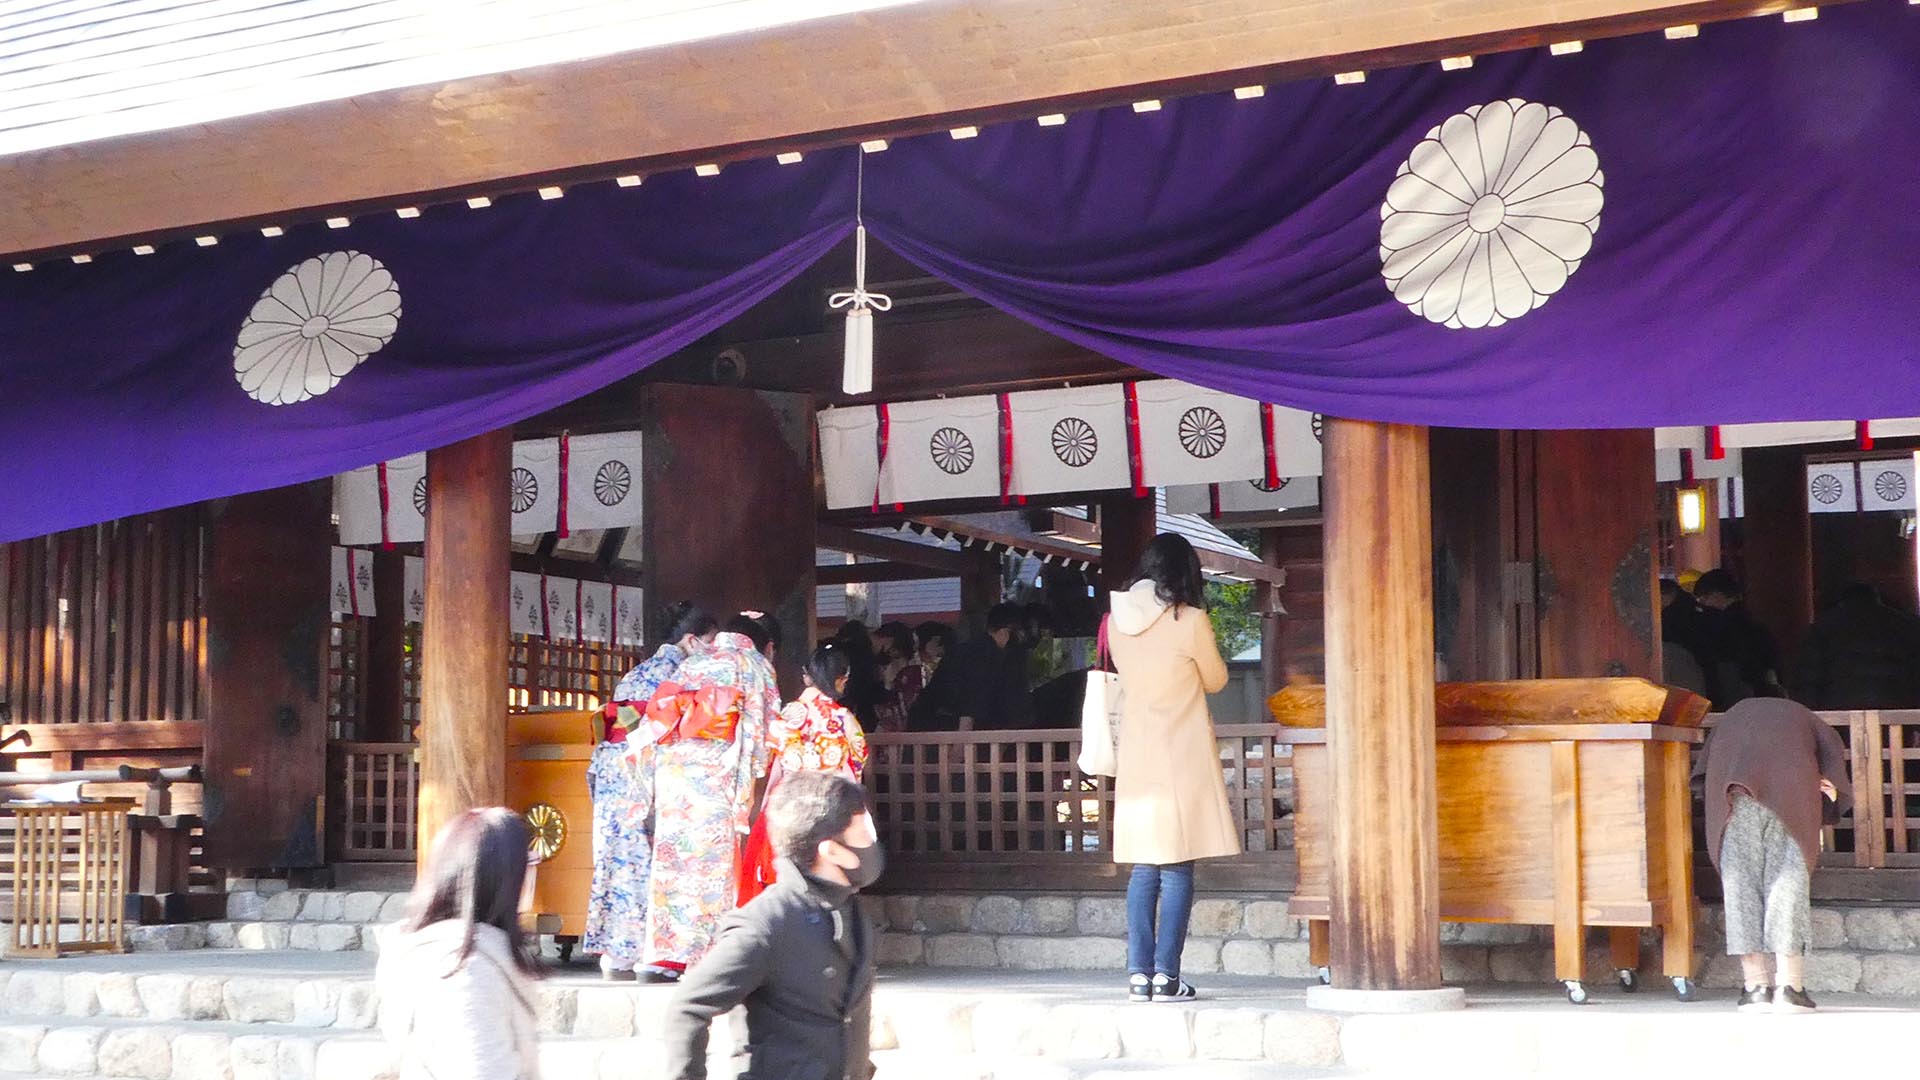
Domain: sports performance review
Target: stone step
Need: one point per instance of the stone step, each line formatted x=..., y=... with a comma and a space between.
x=361, y=907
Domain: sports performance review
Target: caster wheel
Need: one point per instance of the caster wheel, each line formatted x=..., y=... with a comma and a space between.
x=566, y=952
x=1683, y=988
x=1325, y=975
x=1629, y=980
x=1576, y=992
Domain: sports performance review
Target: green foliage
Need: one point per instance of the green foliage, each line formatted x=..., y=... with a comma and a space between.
x=1235, y=624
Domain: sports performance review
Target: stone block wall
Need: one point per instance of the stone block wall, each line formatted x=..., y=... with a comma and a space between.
x=1872, y=949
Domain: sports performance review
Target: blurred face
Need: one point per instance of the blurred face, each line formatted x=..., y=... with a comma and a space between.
x=934, y=650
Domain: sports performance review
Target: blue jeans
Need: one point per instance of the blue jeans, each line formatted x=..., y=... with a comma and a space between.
x=1159, y=904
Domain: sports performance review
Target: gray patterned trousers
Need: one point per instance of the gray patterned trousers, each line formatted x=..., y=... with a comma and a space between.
x=1767, y=886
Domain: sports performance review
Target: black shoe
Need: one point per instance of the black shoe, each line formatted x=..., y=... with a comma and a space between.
x=1758, y=999
x=655, y=974
x=1139, y=988
x=1170, y=989
x=1792, y=999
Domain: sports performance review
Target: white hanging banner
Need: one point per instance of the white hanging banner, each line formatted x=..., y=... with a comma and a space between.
x=1069, y=440
x=1897, y=428
x=352, y=585
x=603, y=481
x=563, y=623
x=415, y=588
x=1821, y=431
x=1192, y=435
x=1296, y=444
x=629, y=616
x=356, y=502
x=849, y=454
x=1238, y=496
x=1832, y=488
x=1733, y=497
x=535, y=484
x=595, y=605
x=529, y=601
x=1887, y=484
x=942, y=449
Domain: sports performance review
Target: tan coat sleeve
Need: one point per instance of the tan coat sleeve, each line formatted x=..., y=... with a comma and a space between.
x=1206, y=655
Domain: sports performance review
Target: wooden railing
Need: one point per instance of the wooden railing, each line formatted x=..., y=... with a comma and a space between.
x=1883, y=831
x=1009, y=810
x=375, y=798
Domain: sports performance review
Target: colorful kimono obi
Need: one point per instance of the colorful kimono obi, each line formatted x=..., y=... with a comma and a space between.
x=637, y=687
x=818, y=734
x=710, y=712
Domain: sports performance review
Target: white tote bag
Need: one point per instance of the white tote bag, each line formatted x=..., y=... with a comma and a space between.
x=1100, y=715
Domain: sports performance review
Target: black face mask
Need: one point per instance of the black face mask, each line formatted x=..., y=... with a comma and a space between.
x=872, y=861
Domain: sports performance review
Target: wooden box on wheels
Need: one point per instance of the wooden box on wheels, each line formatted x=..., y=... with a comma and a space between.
x=1562, y=802
x=547, y=756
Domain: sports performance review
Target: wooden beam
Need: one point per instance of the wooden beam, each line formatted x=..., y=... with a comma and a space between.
x=1384, y=847
x=463, y=640
x=983, y=535
x=893, y=71
x=865, y=573
x=892, y=549
x=94, y=737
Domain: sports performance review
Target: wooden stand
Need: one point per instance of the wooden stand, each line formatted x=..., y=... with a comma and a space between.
x=69, y=863
x=1562, y=802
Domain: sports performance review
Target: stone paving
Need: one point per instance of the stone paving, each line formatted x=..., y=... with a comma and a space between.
x=239, y=1015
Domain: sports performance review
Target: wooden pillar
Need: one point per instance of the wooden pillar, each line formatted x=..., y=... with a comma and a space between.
x=463, y=641
x=1776, y=543
x=1384, y=894
x=1595, y=583
x=266, y=735
x=1472, y=609
x=1266, y=601
x=1127, y=526
x=980, y=588
x=384, y=720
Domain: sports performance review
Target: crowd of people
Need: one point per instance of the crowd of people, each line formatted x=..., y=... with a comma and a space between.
x=1860, y=652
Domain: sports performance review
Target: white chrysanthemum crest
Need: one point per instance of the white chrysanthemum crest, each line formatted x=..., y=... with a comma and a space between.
x=1490, y=214
x=314, y=325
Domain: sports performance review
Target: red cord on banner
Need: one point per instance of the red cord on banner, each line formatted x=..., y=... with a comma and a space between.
x=1267, y=433
x=353, y=583
x=566, y=450
x=1686, y=467
x=1213, y=500
x=1006, y=453
x=1136, y=472
x=386, y=537
x=1863, y=433
x=1716, y=450
x=882, y=434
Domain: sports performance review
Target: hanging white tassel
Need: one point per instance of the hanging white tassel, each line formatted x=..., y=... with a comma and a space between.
x=857, y=368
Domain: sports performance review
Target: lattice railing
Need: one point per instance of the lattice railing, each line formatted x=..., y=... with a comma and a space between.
x=375, y=796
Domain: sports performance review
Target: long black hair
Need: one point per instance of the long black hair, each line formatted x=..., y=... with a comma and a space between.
x=1169, y=562
x=687, y=617
x=474, y=876
x=827, y=666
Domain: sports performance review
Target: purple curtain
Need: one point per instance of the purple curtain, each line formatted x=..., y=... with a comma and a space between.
x=1649, y=232
x=1757, y=256
x=118, y=385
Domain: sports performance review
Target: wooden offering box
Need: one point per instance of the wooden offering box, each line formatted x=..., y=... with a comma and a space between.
x=547, y=756
x=1562, y=802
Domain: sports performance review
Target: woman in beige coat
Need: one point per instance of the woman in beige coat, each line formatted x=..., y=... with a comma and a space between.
x=1170, y=798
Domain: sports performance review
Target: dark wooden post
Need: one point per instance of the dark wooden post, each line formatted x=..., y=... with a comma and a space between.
x=384, y=720
x=1595, y=580
x=266, y=750
x=1776, y=543
x=463, y=643
x=1384, y=893
x=1266, y=600
x=1127, y=525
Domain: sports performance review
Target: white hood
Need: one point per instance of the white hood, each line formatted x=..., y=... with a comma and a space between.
x=1136, y=609
x=413, y=968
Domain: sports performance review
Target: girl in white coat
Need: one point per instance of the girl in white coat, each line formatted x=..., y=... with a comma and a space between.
x=456, y=977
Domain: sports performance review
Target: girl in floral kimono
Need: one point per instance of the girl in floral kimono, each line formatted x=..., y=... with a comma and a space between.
x=711, y=752
x=620, y=778
x=814, y=734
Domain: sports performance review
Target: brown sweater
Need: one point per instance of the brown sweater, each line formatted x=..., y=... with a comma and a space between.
x=1779, y=752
